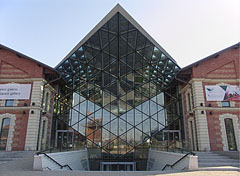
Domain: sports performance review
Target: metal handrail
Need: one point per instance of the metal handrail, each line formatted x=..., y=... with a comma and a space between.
x=43, y=151
x=171, y=165
x=61, y=166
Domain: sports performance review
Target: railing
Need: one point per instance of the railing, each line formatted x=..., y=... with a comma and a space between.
x=172, y=165
x=61, y=166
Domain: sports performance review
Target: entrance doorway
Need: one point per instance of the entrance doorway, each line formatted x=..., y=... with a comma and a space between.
x=64, y=139
x=118, y=166
x=232, y=146
x=173, y=138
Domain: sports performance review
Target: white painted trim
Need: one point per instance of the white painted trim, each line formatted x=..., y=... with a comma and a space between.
x=201, y=119
x=214, y=80
x=22, y=80
x=235, y=121
x=188, y=91
x=190, y=135
x=44, y=138
x=11, y=128
x=33, y=119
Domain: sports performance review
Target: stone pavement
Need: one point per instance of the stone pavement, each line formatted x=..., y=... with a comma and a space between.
x=23, y=167
x=6, y=156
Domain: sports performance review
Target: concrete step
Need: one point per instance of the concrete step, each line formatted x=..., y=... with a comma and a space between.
x=2, y=162
x=213, y=157
x=210, y=160
x=217, y=164
x=7, y=159
x=207, y=154
x=220, y=168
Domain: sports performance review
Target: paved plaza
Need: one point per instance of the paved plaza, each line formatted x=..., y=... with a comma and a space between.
x=23, y=167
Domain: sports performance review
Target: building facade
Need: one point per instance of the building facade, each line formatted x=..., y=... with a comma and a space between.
x=119, y=94
x=26, y=101
x=211, y=101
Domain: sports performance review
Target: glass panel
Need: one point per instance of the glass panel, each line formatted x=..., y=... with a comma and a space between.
x=154, y=126
x=77, y=98
x=113, y=107
x=138, y=136
x=82, y=108
x=106, y=117
x=122, y=126
x=146, y=127
x=230, y=135
x=225, y=104
x=130, y=137
x=4, y=133
x=130, y=117
x=119, y=75
x=9, y=102
x=107, y=98
x=138, y=117
x=161, y=117
x=160, y=99
x=114, y=126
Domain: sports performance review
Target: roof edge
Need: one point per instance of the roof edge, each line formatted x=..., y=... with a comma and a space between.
x=120, y=9
x=27, y=57
x=210, y=56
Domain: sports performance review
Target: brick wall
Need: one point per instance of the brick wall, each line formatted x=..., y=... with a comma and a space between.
x=220, y=69
x=18, y=69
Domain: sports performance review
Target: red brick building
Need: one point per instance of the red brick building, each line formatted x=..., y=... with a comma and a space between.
x=26, y=101
x=209, y=88
x=211, y=101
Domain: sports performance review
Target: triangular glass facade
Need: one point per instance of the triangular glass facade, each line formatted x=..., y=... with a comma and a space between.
x=117, y=94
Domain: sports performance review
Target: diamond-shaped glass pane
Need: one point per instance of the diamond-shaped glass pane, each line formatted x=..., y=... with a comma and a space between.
x=117, y=92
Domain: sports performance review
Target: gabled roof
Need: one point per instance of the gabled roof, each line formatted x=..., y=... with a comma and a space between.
x=29, y=58
x=122, y=11
x=237, y=45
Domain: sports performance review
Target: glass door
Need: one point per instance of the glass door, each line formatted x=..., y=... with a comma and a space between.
x=64, y=139
x=118, y=166
x=172, y=137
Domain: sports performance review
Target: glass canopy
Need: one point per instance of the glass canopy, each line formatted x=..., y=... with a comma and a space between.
x=117, y=93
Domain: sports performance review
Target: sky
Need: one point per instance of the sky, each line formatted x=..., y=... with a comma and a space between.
x=189, y=30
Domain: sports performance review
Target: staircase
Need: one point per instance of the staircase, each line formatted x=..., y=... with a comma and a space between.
x=6, y=156
x=214, y=161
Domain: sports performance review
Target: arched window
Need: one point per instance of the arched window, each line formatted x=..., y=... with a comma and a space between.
x=4, y=133
x=230, y=134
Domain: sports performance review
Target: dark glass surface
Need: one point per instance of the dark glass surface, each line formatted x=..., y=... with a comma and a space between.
x=230, y=135
x=4, y=133
x=117, y=92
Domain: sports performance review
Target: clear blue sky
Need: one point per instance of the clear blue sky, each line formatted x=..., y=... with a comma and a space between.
x=188, y=30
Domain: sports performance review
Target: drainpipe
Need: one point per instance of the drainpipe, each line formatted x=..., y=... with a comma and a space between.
x=194, y=117
x=40, y=118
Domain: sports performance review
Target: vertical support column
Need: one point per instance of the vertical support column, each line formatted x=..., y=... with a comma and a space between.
x=34, y=115
x=201, y=118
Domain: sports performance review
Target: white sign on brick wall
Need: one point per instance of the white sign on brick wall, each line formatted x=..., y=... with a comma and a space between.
x=222, y=93
x=15, y=91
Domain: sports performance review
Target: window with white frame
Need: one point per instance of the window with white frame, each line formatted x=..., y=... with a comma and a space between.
x=188, y=97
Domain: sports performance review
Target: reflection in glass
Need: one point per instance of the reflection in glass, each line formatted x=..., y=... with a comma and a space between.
x=117, y=95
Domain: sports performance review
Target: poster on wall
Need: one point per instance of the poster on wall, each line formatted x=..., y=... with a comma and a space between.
x=222, y=93
x=15, y=91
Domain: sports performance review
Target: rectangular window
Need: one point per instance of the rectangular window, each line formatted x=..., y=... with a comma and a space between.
x=43, y=128
x=9, y=102
x=46, y=103
x=189, y=102
x=225, y=104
